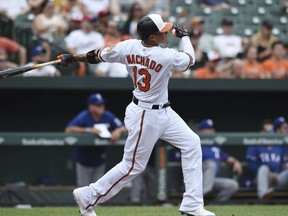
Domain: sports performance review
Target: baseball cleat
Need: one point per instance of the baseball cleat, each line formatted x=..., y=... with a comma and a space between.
x=83, y=211
x=266, y=198
x=198, y=212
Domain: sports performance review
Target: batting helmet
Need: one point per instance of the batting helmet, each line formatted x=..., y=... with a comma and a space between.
x=151, y=24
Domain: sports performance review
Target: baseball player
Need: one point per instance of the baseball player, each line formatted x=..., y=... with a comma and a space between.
x=90, y=160
x=149, y=116
x=268, y=165
x=212, y=157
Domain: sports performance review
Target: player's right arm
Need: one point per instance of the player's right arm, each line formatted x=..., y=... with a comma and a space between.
x=109, y=54
x=91, y=57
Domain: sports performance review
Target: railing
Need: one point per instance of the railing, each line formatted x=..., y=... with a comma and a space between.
x=63, y=139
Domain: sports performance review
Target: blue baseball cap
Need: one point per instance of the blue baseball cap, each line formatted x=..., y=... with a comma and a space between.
x=37, y=51
x=278, y=122
x=95, y=99
x=206, y=123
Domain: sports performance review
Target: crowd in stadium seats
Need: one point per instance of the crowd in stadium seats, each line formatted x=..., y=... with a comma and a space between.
x=230, y=38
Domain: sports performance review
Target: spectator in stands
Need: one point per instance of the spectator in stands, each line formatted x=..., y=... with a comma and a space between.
x=214, y=4
x=267, y=163
x=197, y=27
x=228, y=44
x=276, y=66
x=4, y=63
x=48, y=25
x=200, y=55
x=212, y=156
x=75, y=21
x=232, y=68
x=11, y=47
x=92, y=8
x=161, y=7
x=24, y=21
x=102, y=21
x=237, y=68
x=263, y=40
x=82, y=40
x=149, y=6
x=209, y=71
x=130, y=26
x=36, y=6
x=111, y=34
x=105, y=69
x=96, y=120
x=13, y=8
x=40, y=55
x=252, y=69
x=70, y=8
x=246, y=44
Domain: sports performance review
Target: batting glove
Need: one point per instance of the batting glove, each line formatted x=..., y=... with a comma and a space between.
x=66, y=59
x=180, y=31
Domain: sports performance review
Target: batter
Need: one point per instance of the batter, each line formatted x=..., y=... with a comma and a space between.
x=149, y=116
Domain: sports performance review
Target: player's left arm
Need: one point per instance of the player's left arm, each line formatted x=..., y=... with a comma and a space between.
x=181, y=31
x=188, y=49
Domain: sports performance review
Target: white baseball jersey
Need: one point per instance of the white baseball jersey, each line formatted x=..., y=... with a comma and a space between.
x=149, y=67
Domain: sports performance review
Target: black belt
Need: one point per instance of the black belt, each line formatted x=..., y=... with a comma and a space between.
x=154, y=106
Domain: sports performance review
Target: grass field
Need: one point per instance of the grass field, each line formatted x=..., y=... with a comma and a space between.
x=244, y=210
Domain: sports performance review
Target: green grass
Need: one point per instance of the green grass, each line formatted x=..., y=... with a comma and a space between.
x=243, y=210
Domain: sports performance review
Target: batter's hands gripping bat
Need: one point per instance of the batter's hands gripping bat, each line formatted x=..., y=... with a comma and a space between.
x=23, y=69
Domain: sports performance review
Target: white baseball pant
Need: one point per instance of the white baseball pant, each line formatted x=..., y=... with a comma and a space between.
x=145, y=127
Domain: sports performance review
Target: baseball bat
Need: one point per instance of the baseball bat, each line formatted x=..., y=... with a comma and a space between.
x=23, y=69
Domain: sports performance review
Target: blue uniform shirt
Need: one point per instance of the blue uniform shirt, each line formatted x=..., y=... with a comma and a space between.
x=215, y=154
x=260, y=155
x=93, y=156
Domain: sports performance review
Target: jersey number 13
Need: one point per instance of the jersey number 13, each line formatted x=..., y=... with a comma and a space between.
x=145, y=85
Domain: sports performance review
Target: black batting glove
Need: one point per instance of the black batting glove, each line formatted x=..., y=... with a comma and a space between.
x=66, y=59
x=180, y=31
